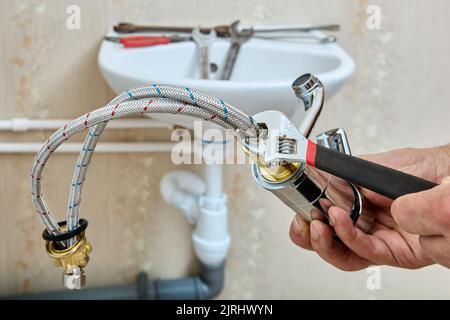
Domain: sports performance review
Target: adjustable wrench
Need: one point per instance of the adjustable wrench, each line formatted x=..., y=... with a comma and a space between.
x=237, y=39
x=203, y=42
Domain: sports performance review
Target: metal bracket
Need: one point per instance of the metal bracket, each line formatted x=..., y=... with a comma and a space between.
x=335, y=139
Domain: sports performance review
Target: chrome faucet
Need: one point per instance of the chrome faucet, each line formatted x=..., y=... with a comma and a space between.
x=311, y=94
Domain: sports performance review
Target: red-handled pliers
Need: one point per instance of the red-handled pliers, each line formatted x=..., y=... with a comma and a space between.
x=146, y=41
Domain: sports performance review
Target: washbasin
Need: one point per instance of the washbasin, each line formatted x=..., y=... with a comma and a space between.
x=261, y=79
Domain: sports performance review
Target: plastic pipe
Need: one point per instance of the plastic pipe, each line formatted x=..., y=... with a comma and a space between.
x=106, y=147
x=210, y=238
x=207, y=285
x=213, y=177
x=23, y=124
x=206, y=209
x=182, y=189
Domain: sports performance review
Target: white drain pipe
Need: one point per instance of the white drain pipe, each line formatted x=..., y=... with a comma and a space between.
x=187, y=192
x=213, y=176
x=182, y=189
x=207, y=210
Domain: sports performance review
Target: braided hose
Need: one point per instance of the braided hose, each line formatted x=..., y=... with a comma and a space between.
x=162, y=99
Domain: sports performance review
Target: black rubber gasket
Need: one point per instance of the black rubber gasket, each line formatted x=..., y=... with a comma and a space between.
x=82, y=225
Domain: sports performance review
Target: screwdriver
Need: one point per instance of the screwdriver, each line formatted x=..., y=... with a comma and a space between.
x=146, y=41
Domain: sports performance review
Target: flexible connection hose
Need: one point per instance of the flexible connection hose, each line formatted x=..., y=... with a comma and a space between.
x=142, y=100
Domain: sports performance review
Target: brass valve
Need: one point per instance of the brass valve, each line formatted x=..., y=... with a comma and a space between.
x=72, y=259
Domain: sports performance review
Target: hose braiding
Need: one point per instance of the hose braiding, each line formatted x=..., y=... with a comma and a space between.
x=161, y=99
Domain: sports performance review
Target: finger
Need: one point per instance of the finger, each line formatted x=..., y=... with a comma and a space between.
x=425, y=213
x=332, y=251
x=437, y=249
x=299, y=233
x=377, y=199
x=445, y=180
x=366, y=246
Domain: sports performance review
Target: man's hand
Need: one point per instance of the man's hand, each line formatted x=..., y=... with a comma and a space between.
x=427, y=214
x=412, y=232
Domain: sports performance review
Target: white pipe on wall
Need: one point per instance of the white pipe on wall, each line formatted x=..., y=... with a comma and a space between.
x=23, y=124
x=106, y=147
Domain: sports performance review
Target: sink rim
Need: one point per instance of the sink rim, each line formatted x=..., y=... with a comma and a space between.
x=344, y=69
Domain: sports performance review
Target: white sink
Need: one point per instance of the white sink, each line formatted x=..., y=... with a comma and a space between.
x=261, y=80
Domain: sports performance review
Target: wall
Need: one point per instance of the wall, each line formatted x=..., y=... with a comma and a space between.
x=398, y=97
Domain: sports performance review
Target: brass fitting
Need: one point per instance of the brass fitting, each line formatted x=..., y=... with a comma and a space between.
x=72, y=259
x=277, y=173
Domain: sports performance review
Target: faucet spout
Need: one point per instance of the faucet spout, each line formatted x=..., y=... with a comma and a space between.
x=310, y=91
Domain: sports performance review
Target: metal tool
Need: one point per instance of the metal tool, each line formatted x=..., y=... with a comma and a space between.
x=311, y=192
x=310, y=178
x=283, y=147
x=204, y=42
x=237, y=39
x=335, y=139
x=125, y=27
x=147, y=41
x=222, y=30
x=313, y=38
x=295, y=28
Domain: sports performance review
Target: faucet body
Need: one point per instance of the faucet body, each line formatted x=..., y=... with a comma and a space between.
x=306, y=190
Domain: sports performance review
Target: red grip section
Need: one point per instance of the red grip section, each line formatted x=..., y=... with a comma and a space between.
x=136, y=42
x=311, y=154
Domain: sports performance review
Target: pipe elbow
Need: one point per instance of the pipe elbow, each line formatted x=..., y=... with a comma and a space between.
x=182, y=189
x=212, y=279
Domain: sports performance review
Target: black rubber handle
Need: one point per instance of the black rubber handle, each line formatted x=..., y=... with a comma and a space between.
x=380, y=179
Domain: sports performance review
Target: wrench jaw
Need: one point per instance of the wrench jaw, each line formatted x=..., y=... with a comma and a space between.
x=238, y=37
x=244, y=33
x=204, y=38
x=279, y=142
x=203, y=42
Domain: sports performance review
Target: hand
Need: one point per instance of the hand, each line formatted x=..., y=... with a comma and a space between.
x=427, y=214
x=408, y=233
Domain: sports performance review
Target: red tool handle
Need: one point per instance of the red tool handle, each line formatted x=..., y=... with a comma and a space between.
x=143, y=41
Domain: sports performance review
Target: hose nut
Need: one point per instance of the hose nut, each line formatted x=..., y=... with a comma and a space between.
x=74, y=278
x=72, y=259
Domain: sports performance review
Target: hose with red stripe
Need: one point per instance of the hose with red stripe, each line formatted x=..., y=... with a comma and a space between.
x=142, y=100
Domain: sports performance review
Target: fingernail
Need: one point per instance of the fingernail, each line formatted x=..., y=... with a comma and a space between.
x=315, y=235
x=297, y=225
x=331, y=217
x=445, y=180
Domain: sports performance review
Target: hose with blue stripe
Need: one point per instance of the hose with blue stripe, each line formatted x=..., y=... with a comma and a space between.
x=162, y=99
